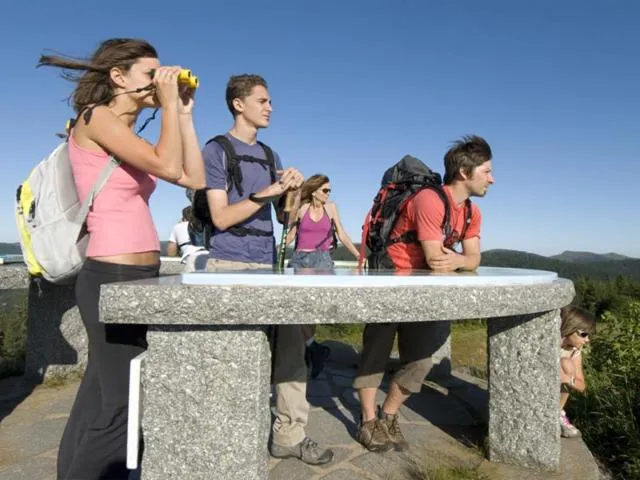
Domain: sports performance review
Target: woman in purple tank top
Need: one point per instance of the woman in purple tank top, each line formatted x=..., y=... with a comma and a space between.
x=316, y=228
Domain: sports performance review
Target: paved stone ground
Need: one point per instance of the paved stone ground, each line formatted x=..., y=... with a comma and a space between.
x=444, y=424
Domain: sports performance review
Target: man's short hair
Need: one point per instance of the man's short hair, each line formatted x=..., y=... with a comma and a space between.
x=467, y=153
x=240, y=86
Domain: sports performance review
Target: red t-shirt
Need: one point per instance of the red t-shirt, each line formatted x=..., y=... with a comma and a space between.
x=424, y=214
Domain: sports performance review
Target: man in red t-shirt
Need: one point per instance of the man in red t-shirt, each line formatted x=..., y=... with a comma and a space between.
x=467, y=174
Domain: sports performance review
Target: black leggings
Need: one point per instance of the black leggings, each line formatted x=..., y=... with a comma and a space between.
x=94, y=443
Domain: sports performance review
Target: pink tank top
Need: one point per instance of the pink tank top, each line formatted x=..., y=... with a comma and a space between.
x=119, y=221
x=314, y=235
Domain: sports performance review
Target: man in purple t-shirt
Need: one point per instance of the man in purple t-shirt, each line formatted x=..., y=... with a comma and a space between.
x=240, y=192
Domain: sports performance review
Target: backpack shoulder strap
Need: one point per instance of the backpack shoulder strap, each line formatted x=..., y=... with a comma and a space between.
x=225, y=143
x=468, y=211
x=234, y=174
x=411, y=236
x=446, y=219
x=100, y=182
x=271, y=159
x=333, y=231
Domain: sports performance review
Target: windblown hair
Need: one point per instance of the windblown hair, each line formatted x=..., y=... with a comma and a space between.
x=240, y=86
x=465, y=154
x=311, y=184
x=94, y=85
x=574, y=319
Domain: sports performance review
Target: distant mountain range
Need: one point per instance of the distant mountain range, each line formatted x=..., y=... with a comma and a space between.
x=567, y=264
x=10, y=248
x=588, y=257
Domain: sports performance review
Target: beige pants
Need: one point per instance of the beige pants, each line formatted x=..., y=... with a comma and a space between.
x=290, y=371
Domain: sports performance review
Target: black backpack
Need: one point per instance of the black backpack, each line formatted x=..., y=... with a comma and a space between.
x=234, y=180
x=399, y=185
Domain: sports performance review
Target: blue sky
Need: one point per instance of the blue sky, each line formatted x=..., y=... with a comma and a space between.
x=553, y=86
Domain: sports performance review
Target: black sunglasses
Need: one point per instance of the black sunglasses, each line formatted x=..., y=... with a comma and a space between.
x=326, y=190
x=582, y=333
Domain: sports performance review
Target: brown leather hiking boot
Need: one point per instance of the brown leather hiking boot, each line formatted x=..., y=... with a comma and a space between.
x=373, y=436
x=392, y=429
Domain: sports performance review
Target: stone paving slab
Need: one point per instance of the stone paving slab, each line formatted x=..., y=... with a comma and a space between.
x=438, y=422
x=35, y=469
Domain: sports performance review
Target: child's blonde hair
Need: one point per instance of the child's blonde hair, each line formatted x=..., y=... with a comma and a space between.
x=574, y=319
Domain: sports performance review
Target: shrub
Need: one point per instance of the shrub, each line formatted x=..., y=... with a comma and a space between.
x=13, y=334
x=608, y=412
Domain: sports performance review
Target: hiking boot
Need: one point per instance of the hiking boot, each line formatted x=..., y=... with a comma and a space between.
x=373, y=436
x=392, y=427
x=567, y=430
x=315, y=356
x=307, y=450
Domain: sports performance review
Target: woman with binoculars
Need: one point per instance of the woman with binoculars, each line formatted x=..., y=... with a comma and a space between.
x=121, y=79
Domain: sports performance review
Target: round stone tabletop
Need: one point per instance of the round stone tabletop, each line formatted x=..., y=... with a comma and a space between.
x=264, y=297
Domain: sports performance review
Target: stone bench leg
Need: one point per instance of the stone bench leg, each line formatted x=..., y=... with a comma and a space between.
x=206, y=403
x=56, y=338
x=524, y=390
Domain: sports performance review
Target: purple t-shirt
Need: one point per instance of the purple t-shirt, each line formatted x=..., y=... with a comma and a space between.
x=255, y=177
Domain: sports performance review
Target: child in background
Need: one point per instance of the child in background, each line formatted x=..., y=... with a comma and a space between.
x=576, y=328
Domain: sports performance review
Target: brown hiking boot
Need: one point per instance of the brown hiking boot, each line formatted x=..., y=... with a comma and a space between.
x=373, y=436
x=392, y=429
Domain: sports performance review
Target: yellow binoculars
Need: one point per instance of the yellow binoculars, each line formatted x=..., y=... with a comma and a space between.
x=185, y=77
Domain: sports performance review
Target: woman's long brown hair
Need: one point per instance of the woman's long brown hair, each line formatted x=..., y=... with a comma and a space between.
x=311, y=184
x=94, y=84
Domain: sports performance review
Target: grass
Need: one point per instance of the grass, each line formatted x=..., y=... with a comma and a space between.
x=469, y=347
x=468, y=343
x=422, y=472
x=55, y=381
x=348, y=333
x=13, y=332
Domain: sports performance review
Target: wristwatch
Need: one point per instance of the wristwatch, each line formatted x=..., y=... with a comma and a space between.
x=259, y=200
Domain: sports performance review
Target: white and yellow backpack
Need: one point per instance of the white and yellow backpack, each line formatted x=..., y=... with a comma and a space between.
x=51, y=219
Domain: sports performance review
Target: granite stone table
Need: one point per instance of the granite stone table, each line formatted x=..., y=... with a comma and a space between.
x=206, y=375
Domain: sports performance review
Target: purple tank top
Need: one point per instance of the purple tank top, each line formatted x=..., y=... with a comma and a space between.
x=314, y=235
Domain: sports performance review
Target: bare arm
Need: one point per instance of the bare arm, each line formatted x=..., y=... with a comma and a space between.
x=441, y=259
x=224, y=215
x=291, y=235
x=579, y=384
x=471, y=253
x=163, y=160
x=341, y=232
x=293, y=223
x=193, y=165
x=172, y=249
x=107, y=131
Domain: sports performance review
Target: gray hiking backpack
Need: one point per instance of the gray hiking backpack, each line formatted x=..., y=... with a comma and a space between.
x=51, y=219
